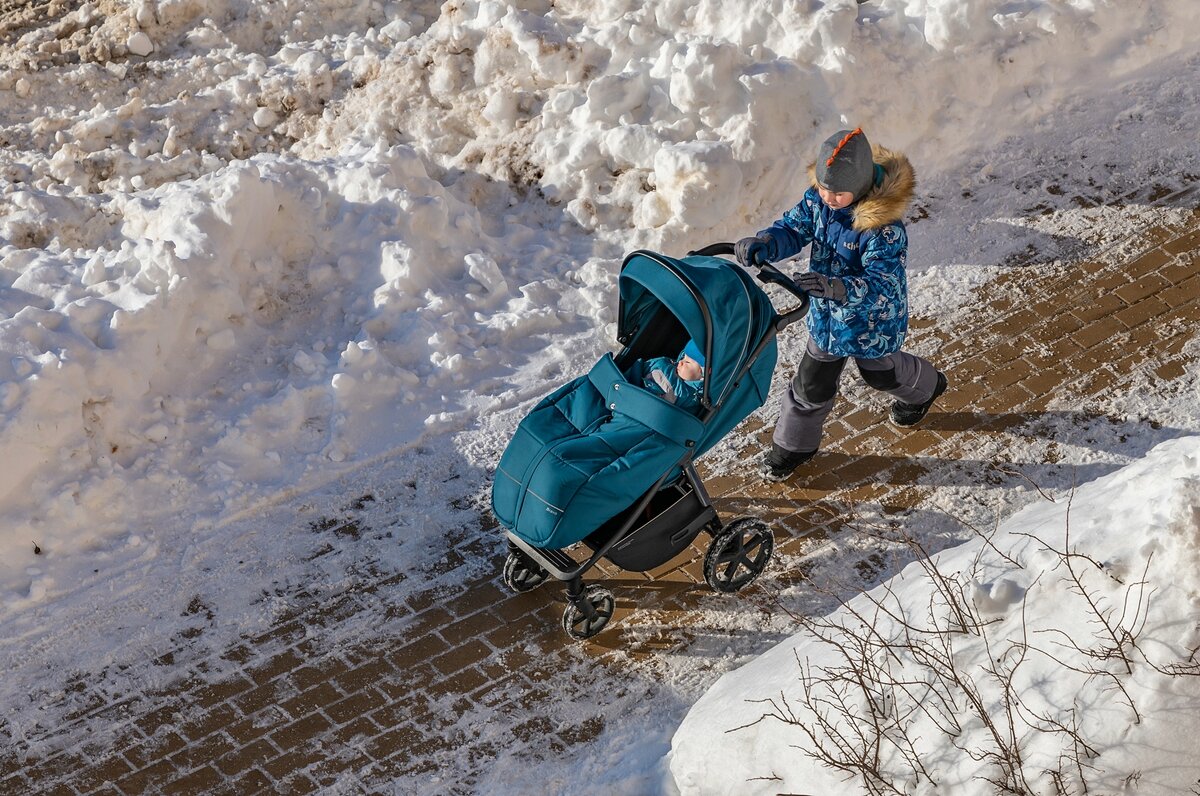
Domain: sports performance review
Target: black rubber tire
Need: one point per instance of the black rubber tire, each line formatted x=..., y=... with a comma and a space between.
x=738, y=554
x=522, y=575
x=577, y=625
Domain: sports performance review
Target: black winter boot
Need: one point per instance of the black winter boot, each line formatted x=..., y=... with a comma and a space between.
x=779, y=463
x=910, y=414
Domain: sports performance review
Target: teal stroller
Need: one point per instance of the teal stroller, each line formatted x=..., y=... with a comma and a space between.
x=603, y=468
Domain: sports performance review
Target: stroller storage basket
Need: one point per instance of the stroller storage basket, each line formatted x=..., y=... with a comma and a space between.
x=673, y=518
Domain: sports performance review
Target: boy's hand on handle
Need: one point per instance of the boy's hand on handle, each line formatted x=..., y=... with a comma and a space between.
x=821, y=286
x=751, y=251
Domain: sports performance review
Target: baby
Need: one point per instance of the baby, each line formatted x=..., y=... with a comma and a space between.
x=679, y=381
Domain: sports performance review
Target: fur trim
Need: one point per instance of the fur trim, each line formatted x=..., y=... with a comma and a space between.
x=888, y=202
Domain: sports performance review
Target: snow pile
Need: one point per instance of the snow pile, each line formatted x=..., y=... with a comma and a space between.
x=205, y=342
x=1094, y=641
x=686, y=119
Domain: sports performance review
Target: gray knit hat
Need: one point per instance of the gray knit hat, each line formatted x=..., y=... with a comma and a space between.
x=845, y=163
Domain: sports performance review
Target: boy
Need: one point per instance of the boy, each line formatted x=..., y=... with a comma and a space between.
x=852, y=216
x=678, y=381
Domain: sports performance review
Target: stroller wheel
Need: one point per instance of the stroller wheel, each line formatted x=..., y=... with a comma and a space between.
x=580, y=622
x=738, y=554
x=522, y=575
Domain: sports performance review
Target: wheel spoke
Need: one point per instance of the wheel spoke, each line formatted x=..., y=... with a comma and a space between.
x=735, y=556
x=732, y=551
x=753, y=552
x=731, y=569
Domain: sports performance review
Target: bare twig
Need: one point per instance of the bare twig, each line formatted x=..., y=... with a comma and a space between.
x=1015, y=472
x=892, y=672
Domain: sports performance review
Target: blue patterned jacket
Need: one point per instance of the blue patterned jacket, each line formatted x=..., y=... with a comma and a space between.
x=866, y=246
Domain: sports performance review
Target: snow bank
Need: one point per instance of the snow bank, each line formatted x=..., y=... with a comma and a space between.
x=216, y=338
x=1139, y=527
x=635, y=116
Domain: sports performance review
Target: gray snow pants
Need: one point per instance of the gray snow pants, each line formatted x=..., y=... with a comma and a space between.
x=810, y=397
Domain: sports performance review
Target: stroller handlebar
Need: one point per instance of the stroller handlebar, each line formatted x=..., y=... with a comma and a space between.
x=767, y=272
x=714, y=249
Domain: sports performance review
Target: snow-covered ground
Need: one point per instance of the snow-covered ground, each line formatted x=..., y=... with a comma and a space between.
x=1058, y=654
x=264, y=257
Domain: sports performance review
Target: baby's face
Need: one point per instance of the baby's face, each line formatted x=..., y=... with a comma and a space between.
x=689, y=369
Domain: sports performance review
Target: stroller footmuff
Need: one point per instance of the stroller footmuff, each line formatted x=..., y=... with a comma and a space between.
x=603, y=467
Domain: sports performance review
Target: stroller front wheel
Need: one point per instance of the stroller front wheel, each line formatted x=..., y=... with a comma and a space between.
x=580, y=622
x=522, y=575
x=738, y=554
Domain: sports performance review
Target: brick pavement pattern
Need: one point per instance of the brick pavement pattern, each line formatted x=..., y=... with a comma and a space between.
x=474, y=668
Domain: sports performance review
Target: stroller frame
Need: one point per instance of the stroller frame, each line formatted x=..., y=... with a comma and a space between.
x=677, y=520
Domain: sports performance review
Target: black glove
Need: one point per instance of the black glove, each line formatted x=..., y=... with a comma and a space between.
x=752, y=251
x=821, y=286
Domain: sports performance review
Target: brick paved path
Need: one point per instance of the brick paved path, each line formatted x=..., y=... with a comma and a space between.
x=461, y=671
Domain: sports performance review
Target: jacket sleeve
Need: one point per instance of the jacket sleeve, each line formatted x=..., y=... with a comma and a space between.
x=884, y=257
x=640, y=372
x=790, y=234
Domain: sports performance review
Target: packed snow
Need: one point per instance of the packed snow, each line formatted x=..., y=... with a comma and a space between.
x=1081, y=610
x=258, y=259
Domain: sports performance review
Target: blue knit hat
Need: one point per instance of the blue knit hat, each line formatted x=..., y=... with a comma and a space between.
x=692, y=351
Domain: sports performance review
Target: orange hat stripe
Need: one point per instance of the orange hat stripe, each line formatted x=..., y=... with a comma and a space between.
x=842, y=143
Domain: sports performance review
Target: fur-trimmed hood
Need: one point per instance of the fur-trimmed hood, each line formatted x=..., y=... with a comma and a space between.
x=888, y=201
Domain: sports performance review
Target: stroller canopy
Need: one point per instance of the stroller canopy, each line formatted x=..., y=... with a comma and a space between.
x=718, y=304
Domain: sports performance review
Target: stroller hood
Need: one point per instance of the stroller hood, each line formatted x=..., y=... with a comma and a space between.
x=718, y=304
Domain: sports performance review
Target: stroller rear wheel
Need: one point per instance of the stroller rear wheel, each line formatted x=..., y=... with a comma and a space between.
x=579, y=621
x=521, y=574
x=738, y=554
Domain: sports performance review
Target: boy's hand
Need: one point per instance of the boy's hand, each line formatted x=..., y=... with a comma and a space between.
x=821, y=286
x=751, y=251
